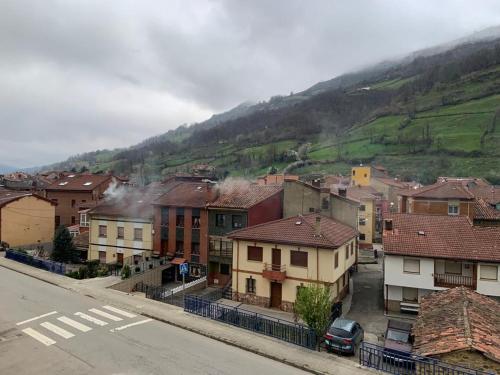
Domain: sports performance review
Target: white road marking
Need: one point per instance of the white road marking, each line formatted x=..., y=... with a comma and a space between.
x=91, y=319
x=120, y=312
x=57, y=330
x=39, y=337
x=36, y=317
x=106, y=315
x=74, y=324
x=131, y=325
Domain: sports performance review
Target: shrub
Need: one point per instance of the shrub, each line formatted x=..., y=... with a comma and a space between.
x=126, y=272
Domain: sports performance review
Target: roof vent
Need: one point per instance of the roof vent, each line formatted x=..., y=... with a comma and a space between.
x=88, y=183
x=63, y=183
x=199, y=188
x=421, y=233
x=298, y=222
x=71, y=176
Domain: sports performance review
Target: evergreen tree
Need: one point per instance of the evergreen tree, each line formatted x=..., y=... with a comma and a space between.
x=64, y=250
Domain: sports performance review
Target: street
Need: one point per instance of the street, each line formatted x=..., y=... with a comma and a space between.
x=45, y=329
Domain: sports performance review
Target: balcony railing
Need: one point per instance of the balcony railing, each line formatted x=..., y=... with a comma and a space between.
x=221, y=249
x=276, y=272
x=447, y=280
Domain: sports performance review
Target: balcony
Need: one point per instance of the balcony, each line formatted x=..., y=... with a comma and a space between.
x=448, y=280
x=219, y=248
x=274, y=272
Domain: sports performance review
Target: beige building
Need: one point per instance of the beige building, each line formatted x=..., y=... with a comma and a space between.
x=26, y=219
x=271, y=261
x=121, y=228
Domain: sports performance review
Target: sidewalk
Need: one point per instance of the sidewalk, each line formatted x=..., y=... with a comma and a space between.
x=307, y=360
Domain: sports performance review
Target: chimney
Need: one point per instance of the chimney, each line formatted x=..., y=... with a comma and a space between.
x=317, y=226
x=316, y=182
x=343, y=192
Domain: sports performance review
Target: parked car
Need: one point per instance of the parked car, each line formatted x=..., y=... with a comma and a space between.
x=398, y=343
x=344, y=336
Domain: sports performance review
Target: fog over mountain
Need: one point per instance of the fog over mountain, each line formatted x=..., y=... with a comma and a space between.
x=88, y=75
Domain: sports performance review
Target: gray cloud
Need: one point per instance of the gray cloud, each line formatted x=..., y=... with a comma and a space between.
x=77, y=76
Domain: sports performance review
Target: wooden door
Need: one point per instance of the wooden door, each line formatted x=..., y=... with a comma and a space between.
x=275, y=295
x=276, y=259
x=119, y=258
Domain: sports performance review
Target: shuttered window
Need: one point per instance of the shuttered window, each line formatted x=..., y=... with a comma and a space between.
x=298, y=258
x=254, y=253
x=103, y=231
x=487, y=272
x=410, y=294
x=411, y=265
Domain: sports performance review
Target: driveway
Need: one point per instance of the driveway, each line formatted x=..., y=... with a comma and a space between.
x=367, y=306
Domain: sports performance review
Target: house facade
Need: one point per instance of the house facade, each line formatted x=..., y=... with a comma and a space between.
x=425, y=253
x=271, y=261
x=235, y=208
x=26, y=219
x=76, y=192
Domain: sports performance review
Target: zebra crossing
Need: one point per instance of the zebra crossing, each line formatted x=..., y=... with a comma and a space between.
x=65, y=327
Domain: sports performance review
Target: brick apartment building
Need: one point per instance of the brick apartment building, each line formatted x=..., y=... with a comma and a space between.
x=74, y=193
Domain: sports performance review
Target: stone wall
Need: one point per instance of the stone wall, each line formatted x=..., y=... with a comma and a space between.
x=471, y=359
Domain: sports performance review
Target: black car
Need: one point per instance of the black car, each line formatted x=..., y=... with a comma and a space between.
x=344, y=336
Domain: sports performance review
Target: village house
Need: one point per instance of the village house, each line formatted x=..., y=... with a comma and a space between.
x=26, y=219
x=461, y=327
x=237, y=207
x=271, y=261
x=121, y=227
x=76, y=192
x=424, y=253
x=362, y=175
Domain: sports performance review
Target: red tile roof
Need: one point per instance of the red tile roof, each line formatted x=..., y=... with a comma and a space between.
x=490, y=194
x=187, y=194
x=440, y=190
x=458, y=319
x=244, y=196
x=79, y=182
x=483, y=211
x=451, y=237
x=299, y=230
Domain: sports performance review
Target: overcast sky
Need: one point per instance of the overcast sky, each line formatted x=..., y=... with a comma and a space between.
x=77, y=76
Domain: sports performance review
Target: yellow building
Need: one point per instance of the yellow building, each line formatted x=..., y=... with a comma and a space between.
x=26, y=219
x=121, y=228
x=360, y=176
x=272, y=260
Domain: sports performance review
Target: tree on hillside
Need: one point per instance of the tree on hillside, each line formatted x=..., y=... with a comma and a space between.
x=64, y=250
x=313, y=306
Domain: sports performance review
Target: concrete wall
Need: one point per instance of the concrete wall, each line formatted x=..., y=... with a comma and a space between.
x=370, y=215
x=299, y=198
x=267, y=210
x=112, y=245
x=150, y=277
x=27, y=221
x=320, y=268
x=344, y=211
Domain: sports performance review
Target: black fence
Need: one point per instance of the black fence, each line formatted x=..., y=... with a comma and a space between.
x=160, y=293
x=400, y=363
x=291, y=332
x=44, y=264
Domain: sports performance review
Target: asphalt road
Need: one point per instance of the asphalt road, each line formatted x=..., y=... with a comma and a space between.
x=45, y=329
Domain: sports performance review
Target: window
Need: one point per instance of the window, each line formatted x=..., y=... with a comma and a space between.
x=354, y=173
x=58, y=221
x=73, y=203
x=254, y=253
x=179, y=248
x=362, y=221
x=250, y=285
x=352, y=248
x=164, y=216
x=325, y=204
x=195, y=248
x=195, y=222
x=411, y=265
x=102, y=257
x=137, y=234
x=298, y=258
x=453, y=267
x=73, y=220
x=220, y=220
x=225, y=269
x=453, y=208
x=103, y=231
x=488, y=272
x=120, y=233
x=347, y=252
x=179, y=221
x=237, y=221
x=362, y=237
x=311, y=209
x=365, y=175
x=410, y=294
x=54, y=200
x=84, y=201
x=84, y=220
x=336, y=259
x=299, y=288
x=362, y=207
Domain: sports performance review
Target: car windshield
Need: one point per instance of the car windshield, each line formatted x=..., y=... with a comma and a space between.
x=397, y=335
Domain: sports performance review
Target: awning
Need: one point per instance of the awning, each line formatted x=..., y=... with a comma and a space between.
x=178, y=261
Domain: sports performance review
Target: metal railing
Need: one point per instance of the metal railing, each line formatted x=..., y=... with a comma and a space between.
x=143, y=266
x=274, y=267
x=45, y=264
x=221, y=248
x=447, y=280
x=401, y=363
x=291, y=332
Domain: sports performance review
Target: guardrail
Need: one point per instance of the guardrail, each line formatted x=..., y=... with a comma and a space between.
x=45, y=264
x=401, y=363
x=291, y=332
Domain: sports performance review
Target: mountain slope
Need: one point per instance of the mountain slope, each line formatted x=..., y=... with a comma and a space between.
x=429, y=114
